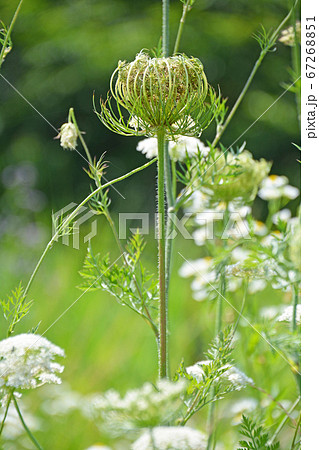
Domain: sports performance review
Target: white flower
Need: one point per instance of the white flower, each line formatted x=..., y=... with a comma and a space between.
x=269, y=312
x=196, y=370
x=237, y=378
x=288, y=35
x=26, y=362
x=194, y=267
x=138, y=408
x=68, y=136
x=259, y=228
x=177, y=438
x=256, y=286
x=287, y=314
x=281, y=216
x=60, y=400
x=245, y=405
x=233, y=375
x=275, y=186
x=178, y=150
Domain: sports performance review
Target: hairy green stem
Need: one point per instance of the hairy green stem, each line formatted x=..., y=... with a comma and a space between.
x=6, y=39
x=32, y=438
x=186, y=8
x=169, y=190
x=161, y=254
x=68, y=219
x=165, y=28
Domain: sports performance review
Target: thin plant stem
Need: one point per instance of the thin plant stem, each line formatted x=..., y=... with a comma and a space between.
x=169, y=190
x=6, y=412
x=293, y=444
x=293, y=329
x=165, y=28
x=275, y=401
x=87, y=152
x=212, y=409
x=32, y=438
x=294, y=310
x=161, y=254
x=68, y=219
x=295, y=50
x=8, y=34
x=257, y=64
x=283, y=422
x=186, y=8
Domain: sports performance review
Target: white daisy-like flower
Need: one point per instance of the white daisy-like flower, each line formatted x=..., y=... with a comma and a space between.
x=281, y=216
x=68, y=136
x=27, y=361
x=177, y=438
x=178, y=150
x=287, y=314
x=259, y=228
x=275, y=186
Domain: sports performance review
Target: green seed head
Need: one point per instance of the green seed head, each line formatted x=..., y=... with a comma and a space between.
x=159, y=93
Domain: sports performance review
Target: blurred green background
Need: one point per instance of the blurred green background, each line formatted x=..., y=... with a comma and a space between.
x=63, y=52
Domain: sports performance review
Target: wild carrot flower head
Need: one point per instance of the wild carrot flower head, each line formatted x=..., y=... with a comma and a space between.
x=27, y=361
x=157, y=93
x=234, y=176
x=179, y=438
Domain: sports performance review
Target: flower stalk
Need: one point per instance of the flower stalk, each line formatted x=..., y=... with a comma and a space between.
x=32, y=438
x=161, y=254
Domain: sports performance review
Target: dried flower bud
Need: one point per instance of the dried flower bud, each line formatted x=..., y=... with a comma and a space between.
x=68, y=136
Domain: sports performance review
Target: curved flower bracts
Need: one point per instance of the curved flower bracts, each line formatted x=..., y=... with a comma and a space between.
x=160, y=93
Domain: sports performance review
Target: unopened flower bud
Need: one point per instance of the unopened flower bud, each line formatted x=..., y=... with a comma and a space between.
x=68, y=136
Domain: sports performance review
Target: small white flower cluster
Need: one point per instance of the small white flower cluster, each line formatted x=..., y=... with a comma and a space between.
x=287, y=314
x=234, y=376
x=177, y=438
x=288, y=35
x=178, y=150
x=275, y=186
x=68, y=136
x=60, y=400
x=149, y=405
x=27, y=361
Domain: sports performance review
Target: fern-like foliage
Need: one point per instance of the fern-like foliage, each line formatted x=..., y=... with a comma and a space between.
x=257, y=437
x=208, y=381
x=15, y=307
x=129, y=282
